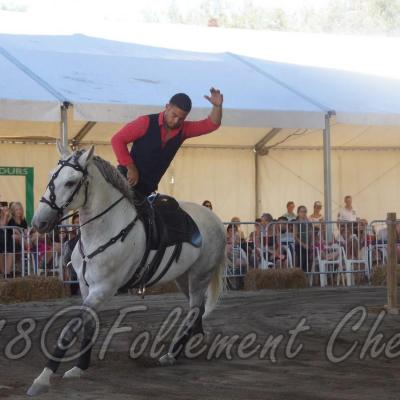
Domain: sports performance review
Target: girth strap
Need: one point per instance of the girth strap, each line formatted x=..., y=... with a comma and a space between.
x=121, y=235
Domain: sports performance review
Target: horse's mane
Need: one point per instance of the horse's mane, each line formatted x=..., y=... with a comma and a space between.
x=114, y=177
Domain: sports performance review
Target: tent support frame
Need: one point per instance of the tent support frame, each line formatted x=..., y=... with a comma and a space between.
x=76, y=140
x=66, y=122
x=327, y=168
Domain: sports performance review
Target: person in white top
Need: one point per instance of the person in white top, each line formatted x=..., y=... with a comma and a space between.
x=348, y=213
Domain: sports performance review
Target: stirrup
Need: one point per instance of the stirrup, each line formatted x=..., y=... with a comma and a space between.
x=151, y=197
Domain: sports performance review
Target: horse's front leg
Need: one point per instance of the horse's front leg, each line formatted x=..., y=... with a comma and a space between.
x=94, y=300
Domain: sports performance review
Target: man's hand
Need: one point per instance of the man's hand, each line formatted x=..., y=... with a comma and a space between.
x=216, y=98
x=132, y=174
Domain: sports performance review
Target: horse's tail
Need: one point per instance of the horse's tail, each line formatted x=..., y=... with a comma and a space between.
x=215, y=287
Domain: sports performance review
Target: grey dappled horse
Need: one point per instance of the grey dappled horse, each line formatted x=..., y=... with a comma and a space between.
x=106, y=207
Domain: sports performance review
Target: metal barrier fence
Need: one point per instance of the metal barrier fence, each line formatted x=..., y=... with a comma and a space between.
x=378, y=242
x=334, y=252
x=330, y=253
x=25, y=252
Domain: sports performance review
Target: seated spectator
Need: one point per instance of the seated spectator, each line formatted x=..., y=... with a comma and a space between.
x=6, y=243
x=327, y=248
x=327, y=245
x=266, y=229
x=71, y=239
x=46, y=248
x=290, y=215
x=303, y=240
x=207, y=203
x=235, y=254
x=236, y=258
x=278, y=253
x=254, y=244
x=236, y=221
x=286, y=228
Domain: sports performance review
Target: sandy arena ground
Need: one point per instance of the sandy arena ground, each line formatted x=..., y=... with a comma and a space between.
x=310, y=375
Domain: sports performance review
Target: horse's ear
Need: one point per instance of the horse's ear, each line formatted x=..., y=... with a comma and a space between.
x=62, y=150
x=86, y=157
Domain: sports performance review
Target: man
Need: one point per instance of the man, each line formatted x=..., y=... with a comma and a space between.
x=290, y=215
x=157, y=137
x=348, y=214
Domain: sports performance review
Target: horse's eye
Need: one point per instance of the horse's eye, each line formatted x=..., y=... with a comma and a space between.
x=69, y=184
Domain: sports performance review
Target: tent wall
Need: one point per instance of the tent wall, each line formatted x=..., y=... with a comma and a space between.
x=41, y=157
x=369, y=176
x=223, y=176
x=226, y=178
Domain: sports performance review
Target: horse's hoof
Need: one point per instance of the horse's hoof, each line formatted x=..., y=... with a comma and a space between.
x=37, y=388
x=167, y=360
x=74, y=372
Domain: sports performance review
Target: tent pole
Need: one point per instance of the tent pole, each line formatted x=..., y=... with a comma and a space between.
x=66, y=123
x=327, y=169
x=256, y=186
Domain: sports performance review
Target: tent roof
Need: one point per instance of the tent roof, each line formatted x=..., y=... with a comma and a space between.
x=23, y=98
x=110, y=81
x=289, y=82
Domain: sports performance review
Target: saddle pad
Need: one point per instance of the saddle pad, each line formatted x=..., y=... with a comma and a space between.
x=173, y=224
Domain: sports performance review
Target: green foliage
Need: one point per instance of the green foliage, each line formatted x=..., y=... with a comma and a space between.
x=339, y=16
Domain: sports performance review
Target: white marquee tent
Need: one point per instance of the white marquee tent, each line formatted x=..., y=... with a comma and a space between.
x=276, y=111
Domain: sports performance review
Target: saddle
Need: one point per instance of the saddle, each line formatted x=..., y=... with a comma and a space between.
x=166, y=224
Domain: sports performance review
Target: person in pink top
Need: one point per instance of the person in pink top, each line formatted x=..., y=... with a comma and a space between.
x=156, y=138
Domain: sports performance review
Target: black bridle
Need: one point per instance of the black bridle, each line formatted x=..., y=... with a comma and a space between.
x=51, y=185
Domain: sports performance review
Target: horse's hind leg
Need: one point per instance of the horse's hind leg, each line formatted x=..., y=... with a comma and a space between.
x=183, y=284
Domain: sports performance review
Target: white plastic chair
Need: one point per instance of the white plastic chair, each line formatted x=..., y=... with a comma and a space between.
x=329, y=266
x=348, y=264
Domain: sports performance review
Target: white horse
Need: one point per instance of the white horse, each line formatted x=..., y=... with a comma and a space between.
x=106, y=207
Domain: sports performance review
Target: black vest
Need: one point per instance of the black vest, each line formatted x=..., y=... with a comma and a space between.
x=151, y=159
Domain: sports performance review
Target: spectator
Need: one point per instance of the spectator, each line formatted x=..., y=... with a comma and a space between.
x=47, y=249
x=207, y=203
x=236, y=257
x=348, y=228
x=17, y=215
x=347, y=213
x=268, y=237
x=290, y=215
x=236, y=221
x=303, y=240
x=68, y=246
x=286, y=231
x=278, y=253
x=254, y=244
x=6, y=245
x=316, y=216
x=18, y=220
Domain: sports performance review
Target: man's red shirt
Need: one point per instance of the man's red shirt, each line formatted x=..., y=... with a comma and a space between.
x=136, y=129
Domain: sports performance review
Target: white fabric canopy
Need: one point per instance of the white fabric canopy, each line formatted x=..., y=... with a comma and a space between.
x=269, y=80
x=108, y=81
x=21, y=98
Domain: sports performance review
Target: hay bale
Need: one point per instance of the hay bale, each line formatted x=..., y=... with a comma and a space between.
x=378, y=276
x=293, y=278
x=30, y=288
x=168, y=287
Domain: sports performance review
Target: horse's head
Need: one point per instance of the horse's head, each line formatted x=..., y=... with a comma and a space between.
x=66, y=190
